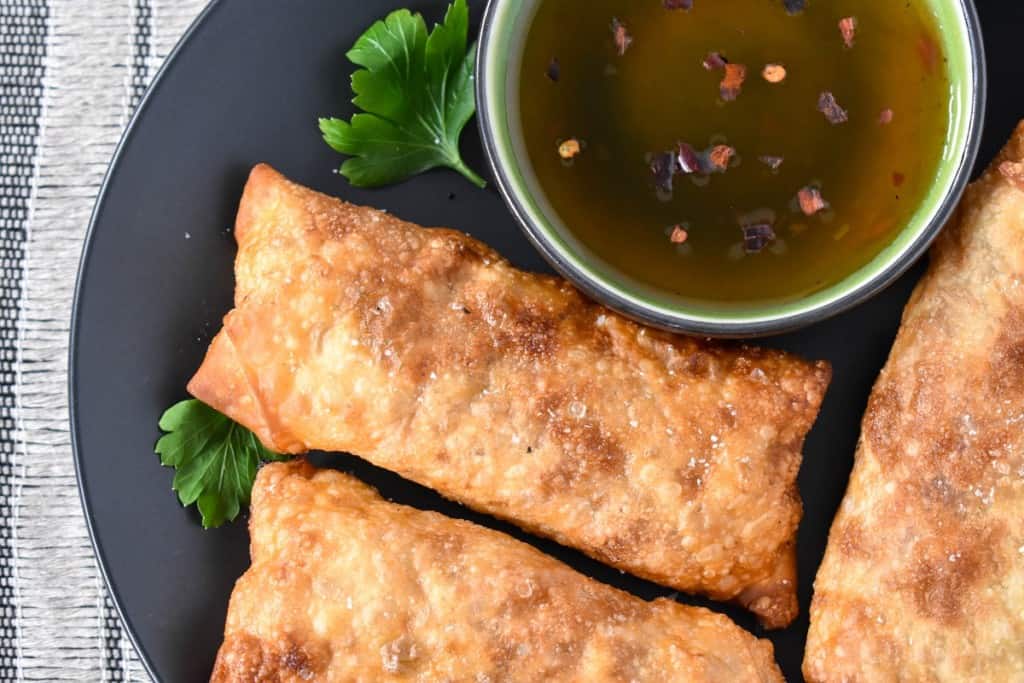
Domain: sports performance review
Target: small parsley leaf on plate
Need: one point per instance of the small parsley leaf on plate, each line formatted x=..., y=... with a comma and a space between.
x=215, y=460
x=416, y=95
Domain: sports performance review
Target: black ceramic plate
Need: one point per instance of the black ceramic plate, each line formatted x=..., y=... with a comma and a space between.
x=247, y=85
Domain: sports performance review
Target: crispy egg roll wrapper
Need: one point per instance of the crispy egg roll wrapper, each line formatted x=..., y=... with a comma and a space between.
x=345, y=586
x=426, y=353
x=923, y=578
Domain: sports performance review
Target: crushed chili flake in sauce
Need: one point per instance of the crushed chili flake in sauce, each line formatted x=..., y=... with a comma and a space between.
x=794, y=6
x=848, y=29
x=621, y=35
x=885, y=117
x=774, y=73
x=828, y=106
x=772, y=162
x=570, y=148
x=732, y=82
x=757, y=236
x=663, y=168
x=719, y=157
x=714, y=60
x=554, y=70
x=687, y=158
x=898, y=178
x=677, y=4
x=811, y=201
x=679, y=235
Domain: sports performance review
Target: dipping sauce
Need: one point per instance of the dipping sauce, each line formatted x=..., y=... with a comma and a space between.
x=797, y=142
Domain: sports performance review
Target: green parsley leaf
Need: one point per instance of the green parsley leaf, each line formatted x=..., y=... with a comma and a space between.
x=417, y=94
x=214, y=457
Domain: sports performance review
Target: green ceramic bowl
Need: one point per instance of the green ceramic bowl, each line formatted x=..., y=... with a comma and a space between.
x=502, y=38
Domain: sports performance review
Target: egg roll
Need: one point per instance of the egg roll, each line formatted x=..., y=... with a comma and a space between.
x=345, y=586
x=923, y=577
x=428, y=354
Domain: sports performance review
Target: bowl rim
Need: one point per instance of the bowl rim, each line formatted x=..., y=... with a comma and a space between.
x=679, y=320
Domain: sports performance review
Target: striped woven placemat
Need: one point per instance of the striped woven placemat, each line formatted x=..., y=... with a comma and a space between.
x=71, y=73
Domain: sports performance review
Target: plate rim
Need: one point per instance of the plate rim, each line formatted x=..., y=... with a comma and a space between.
x=75, y=322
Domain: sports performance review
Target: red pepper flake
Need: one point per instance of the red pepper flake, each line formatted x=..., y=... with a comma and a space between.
x=774, y=73
x=885, y=117
x=554, y=70
x=897, y=178
x=679, y=235
x=719, y=157
x=928, y=51
x=570, y=148
x=622, y=38
x=678, y=4
x=714, y=60
x=687, y=158
x=811, y=201
x=828, y=106
x=663, y=168
x=1014, y=172
x=732, y=82
x=848, y=27
x=794, y=6
x=757, y=236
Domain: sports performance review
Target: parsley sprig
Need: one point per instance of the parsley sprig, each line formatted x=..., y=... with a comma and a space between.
x=215, y=460
x=416, y=93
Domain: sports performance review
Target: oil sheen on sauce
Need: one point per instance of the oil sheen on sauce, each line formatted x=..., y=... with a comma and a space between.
x=872, y=170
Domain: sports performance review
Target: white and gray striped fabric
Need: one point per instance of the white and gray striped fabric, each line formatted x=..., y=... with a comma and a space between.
x=71, y=73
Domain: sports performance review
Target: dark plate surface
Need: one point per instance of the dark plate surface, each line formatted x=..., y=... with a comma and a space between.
x=246, y=86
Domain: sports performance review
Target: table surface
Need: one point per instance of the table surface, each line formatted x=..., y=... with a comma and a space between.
x=71, y=73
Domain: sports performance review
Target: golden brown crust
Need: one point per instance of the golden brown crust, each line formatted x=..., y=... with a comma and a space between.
x=428, y=354
x=345, y=586
x=923, y=579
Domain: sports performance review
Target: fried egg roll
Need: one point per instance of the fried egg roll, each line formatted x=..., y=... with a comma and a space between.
x=923, y=579
x=345, y=586
x=428, y=354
